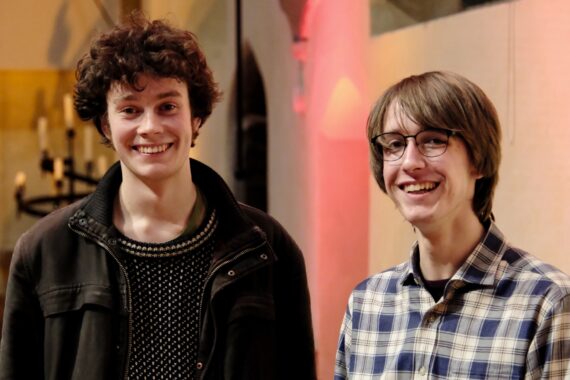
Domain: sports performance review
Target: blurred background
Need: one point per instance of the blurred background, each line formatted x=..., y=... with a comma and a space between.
x=299, y=77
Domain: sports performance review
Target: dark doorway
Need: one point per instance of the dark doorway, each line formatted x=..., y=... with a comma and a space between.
x=251, y=149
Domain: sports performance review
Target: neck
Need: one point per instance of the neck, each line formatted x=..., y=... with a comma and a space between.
x=154, y=212
x=443, y=250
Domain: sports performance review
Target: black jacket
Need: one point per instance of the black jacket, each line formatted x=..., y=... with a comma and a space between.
x=67, y=311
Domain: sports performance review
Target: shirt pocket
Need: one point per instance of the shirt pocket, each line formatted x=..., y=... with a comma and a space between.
x=79, y=330
x=488, y=370
x=76, y=298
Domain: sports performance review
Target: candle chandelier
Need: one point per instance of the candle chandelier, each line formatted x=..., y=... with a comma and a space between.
x=63, y=170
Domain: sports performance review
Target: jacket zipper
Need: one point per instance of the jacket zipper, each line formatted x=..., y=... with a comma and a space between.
x=211, y=274
x=129, y=300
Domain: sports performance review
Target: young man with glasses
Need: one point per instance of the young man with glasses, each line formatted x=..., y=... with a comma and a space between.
x=467, y=305
x=160, y=273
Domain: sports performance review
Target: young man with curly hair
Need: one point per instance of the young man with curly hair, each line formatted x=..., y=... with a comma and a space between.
x=160, y=273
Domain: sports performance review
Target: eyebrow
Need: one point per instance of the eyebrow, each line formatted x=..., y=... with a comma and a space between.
x=162, y=95
x=169, y=94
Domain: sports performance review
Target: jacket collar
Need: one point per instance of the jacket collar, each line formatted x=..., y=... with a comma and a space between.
x=95, y=215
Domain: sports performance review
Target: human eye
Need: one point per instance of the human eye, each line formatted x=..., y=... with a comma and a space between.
x=392, y=145
x=433, y=138
x=168, y=107
x=391, y=141
x=128, y=111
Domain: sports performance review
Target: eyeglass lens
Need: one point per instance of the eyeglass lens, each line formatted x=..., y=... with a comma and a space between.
x=430, y=143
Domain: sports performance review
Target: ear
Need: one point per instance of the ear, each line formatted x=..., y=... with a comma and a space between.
x=196, y=123
x=106, y=128
x=476, y=174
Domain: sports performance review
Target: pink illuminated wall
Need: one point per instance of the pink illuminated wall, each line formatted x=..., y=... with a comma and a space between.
x=337, y=105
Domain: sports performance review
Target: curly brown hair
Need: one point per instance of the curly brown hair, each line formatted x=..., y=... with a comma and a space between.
x=142, y=46
x=448, y=101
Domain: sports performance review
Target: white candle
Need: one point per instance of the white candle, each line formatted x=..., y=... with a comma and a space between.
x=42, y=134
x=101, y=165
x=68, y=111
x=20, y=180
x=58, y=169
x=88, y=140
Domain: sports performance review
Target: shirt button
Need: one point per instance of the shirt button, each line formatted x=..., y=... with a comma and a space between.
x=231, y=273
x=199, y=365
x=423, y=371
x=263, y=256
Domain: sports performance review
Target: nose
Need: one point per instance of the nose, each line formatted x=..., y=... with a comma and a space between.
x=150, y=124
x=412, y=158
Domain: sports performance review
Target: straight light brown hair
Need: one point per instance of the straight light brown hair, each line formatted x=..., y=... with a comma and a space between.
x=448, y=101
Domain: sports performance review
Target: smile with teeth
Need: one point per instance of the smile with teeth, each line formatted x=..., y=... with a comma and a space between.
x=151, y=149
x=419, y=187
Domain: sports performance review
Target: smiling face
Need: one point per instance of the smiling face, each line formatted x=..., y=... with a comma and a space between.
x=430, y=192
x=151, y=130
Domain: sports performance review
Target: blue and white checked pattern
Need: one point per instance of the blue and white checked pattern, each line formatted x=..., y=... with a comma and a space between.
x=504, y=315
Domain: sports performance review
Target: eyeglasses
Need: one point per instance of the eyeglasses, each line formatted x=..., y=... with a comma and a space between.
x=430, y=142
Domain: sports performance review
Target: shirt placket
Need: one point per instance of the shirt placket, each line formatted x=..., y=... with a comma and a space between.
x=426, y=336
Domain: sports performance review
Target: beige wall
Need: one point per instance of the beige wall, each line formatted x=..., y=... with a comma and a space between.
x=516, y=51
x=266, y=29
x=48, y=34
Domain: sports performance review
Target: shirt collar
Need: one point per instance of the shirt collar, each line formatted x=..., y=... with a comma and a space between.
x=479, y=268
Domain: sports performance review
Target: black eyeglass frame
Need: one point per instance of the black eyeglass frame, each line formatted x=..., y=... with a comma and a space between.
x=379, y=148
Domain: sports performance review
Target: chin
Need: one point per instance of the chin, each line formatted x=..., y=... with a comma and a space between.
x=418, y=217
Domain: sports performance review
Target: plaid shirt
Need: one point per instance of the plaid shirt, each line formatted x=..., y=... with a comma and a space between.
x=504, y=315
